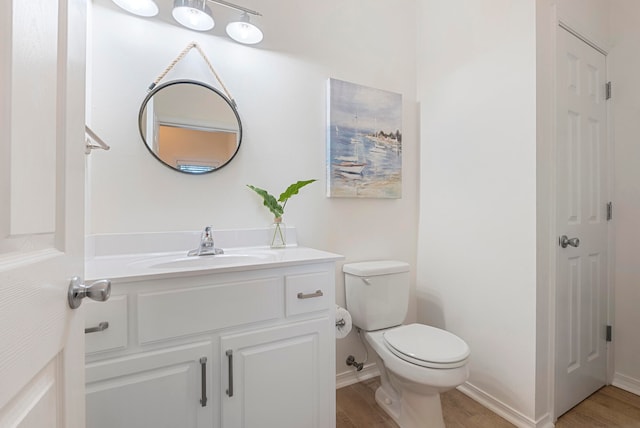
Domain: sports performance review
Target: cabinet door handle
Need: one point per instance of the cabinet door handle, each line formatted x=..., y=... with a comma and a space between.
x=203, y=367
x=101, y=327
x=318, y=293
x=229, y=354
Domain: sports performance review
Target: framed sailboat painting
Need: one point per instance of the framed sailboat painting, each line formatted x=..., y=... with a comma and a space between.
x=364, y=141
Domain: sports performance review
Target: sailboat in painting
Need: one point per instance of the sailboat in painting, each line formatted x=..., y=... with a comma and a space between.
x=352, y=165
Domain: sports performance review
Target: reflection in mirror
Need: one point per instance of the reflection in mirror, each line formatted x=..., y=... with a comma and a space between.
x=190, y=126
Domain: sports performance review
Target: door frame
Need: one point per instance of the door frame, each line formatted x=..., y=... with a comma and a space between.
x=563, y=24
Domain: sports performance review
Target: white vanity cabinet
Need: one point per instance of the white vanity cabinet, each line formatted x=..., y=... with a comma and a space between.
x=248, y=348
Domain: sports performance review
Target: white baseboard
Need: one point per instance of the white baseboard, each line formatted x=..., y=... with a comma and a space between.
x=507, y=412
x=502, y=409
x=545, y=422
x=352, y=376
x=627, y=383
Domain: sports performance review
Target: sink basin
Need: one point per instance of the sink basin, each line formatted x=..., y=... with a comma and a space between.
x=212, y=261
x=182, y=261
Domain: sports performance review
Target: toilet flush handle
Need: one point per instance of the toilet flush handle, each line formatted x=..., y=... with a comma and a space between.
x=366, y=281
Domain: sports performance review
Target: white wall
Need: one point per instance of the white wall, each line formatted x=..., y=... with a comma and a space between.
x=625, y=68
x=477, y=241
x=588, y=17
x=486, y=249
x=280, y=89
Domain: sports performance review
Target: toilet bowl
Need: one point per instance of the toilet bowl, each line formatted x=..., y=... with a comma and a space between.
x=416, y=362
x=410, y=385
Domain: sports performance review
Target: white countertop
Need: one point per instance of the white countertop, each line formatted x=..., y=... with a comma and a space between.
x=127, y=258
x=138, y=267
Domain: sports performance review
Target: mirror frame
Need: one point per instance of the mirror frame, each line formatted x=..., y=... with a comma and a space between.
x=230, y=103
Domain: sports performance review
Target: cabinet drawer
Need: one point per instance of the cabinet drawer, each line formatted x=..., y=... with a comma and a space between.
x=114, y=312
x=170, y=314
x=307, y=292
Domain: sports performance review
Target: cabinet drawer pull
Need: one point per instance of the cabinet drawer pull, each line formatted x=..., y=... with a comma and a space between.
x=101, y=327
x=203, y=366
x=318, y=293
x=229, y=354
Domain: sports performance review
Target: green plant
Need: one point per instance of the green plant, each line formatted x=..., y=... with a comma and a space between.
x=276, y=206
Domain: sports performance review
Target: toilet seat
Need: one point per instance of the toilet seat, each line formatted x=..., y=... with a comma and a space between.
x=427, y=346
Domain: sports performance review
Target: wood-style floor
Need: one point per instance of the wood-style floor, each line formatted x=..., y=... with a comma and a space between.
x=609, y=407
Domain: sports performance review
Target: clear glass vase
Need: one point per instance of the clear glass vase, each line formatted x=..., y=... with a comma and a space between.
x=278, y=234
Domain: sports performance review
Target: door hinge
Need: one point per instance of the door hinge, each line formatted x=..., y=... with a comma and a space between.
x=609, y=211
x=609, y=333
x=607, y=91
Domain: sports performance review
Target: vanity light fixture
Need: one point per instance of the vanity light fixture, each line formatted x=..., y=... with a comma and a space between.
x=146, y=8
x=196, y=15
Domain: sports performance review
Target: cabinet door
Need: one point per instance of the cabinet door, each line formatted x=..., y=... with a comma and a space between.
x=160, y=389
x=279, y=377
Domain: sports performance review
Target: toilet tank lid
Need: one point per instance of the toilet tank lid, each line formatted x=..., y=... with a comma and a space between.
x=373, y=268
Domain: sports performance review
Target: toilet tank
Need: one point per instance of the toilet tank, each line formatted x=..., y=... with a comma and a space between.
x=377, y=293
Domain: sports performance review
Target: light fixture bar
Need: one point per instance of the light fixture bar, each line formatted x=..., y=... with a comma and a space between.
x=235, y=6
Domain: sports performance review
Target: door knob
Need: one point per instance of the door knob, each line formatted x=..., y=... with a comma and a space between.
x=565, y=242
x=98, y=291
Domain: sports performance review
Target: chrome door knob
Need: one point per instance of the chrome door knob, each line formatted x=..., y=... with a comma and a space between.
x=99, y=291
x=565, y=242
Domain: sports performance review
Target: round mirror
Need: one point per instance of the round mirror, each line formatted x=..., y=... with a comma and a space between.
x=190, y=126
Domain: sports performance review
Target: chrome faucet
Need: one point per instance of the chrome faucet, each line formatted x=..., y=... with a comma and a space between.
x=206, y=247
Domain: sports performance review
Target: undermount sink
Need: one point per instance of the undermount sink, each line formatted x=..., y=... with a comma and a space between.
x=175, y=261
x=212, y=261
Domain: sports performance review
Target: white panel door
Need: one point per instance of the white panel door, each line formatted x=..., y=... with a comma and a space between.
x=582, y=196
x=42, y=69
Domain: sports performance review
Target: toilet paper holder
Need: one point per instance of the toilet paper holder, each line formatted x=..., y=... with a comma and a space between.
x=343, y=322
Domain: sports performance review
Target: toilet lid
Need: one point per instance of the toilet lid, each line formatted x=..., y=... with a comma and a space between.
x=427, y=346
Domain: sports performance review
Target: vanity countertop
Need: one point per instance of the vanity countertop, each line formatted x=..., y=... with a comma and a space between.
x=138, y=267
x=147, y=266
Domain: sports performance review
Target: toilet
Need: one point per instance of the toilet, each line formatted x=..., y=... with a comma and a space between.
x=416, y=362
